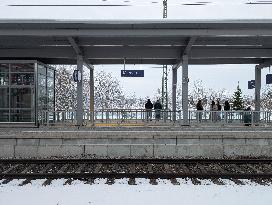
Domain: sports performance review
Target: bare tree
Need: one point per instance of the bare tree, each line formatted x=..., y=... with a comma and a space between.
x=65, y=88
x=266, y=98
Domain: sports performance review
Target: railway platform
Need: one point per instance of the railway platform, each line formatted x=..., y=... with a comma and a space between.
x=136, y=142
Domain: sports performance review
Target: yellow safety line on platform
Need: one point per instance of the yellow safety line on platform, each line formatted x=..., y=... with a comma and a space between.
x=117, y=125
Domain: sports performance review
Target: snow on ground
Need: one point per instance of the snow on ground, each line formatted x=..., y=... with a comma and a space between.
x=143, y=193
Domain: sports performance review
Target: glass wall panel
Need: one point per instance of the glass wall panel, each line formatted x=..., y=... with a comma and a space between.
x=17, y=91
x=4, y=79
x=50, y=72
x=41, y=69
x=22, y=79
x=51, y=99
x=4, y=115
x=22, y=116
x=22, y=67
x=4, y=67
x=21, y=98
x=4, y=97
x=41, y=80
x=42, y=98
x=50, y=83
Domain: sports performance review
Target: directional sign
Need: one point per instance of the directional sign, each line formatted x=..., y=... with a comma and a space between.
x=269, y=79
x=132, y=73
x=251, y=84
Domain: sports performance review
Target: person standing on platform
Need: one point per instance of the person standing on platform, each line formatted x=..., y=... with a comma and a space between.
x=227, y=106
x=226, y=109
x=213, y=109
x=219, y=108
x=148, y=108
x=199, y=109
x=158, y=108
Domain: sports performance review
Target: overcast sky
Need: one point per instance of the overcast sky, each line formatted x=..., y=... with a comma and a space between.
x=213, y=76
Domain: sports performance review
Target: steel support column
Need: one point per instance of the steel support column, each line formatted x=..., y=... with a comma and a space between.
x=79, y=113
x=174, y=92
x=92, y=93
x=258, y=72
x=185, y=81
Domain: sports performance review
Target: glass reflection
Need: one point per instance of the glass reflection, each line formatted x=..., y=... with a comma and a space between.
x=4, y=67
x=4, y=79
x=50, y=82
x=4, y=99
x=42, y=80
x=21, y=98
x=4, y=115
x=22, y=67
x=22, y=78
x=21, y=116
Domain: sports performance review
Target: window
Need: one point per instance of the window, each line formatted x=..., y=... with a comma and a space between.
x=21, y=98
x=4, y=97
x=22, y=79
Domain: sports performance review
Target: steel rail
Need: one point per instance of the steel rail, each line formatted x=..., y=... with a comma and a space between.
x=137, y=161
x=160, y=175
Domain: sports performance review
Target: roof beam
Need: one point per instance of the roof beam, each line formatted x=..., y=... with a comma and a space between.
x=16, y=42
x=210, y=61
x=79, y=52
x=137, y=52
x=266, y=63
x=186, y=51
x=118, y=32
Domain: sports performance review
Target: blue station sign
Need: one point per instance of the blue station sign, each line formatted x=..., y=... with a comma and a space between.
x=251, y=84
x=132, y=73
x=269, y=79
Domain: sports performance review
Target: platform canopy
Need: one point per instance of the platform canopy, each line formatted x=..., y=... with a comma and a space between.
x=138, y=41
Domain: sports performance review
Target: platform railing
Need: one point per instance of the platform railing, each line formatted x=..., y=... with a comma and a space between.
x=158, y=117
x=111, y=116
x=230, y=117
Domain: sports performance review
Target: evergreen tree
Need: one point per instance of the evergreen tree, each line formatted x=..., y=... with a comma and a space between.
x=238, y=103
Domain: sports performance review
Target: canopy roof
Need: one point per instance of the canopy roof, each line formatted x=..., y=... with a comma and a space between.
x=138, y=41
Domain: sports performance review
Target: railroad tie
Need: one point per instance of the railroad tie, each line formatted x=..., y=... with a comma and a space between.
x=46, y=168
x=80, y=168
x=132, y=170
x=153, y=180
x=11, y=169
x=63, y=168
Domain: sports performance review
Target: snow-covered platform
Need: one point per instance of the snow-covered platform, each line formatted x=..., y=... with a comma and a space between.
x=205, y=142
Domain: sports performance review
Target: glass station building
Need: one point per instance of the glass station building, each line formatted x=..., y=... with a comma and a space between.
x=26, y=88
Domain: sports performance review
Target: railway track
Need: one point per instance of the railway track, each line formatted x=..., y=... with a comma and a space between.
x=135, y=168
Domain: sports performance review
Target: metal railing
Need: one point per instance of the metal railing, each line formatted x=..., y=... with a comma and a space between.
x=230, y=117
x=159, y=117
x=114, y=116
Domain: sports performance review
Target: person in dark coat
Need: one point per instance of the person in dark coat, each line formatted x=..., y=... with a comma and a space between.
x=148, y=108
x=199, y=109
x=213, y=109
x=219, y=108
x=247, y=116
x=226, y=109
x=227, y=106
x=158, y=108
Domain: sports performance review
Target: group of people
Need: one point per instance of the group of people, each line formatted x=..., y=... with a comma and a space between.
x=157, y=107
x=214, y=107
